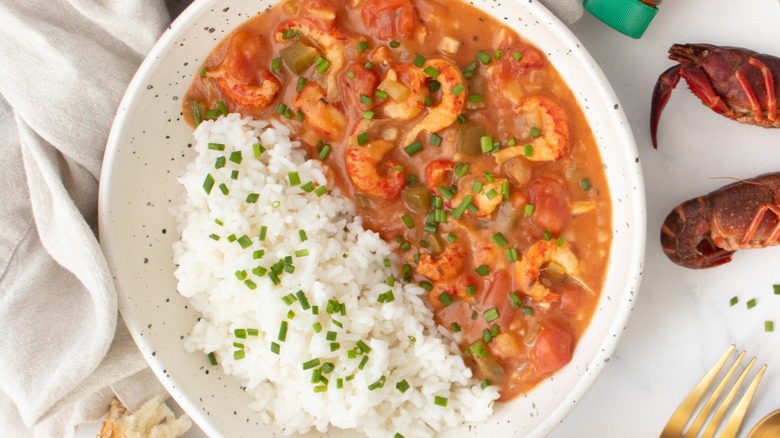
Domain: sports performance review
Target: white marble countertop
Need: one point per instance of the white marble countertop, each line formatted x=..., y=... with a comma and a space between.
x=682, y=320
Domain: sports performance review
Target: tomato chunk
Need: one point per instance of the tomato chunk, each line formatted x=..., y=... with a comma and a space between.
x=550, y=199
x=553, y=348
x=361, y=82
x=389, y=19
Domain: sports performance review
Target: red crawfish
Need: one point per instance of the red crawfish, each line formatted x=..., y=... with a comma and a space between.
x=706, y=231
x=738, y=83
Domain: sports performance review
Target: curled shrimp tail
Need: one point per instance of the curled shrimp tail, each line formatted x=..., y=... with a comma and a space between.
x=686, y=236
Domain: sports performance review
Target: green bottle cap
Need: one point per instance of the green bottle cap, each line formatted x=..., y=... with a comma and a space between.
x=630, y=17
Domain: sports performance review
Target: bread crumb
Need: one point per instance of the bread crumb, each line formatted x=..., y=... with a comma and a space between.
x=152, y=420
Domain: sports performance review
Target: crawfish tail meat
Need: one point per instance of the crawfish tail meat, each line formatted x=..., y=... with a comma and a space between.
x=740, y=84
x=706, y=231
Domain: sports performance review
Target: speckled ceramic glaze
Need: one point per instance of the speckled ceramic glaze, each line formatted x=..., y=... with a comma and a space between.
x=149, y=146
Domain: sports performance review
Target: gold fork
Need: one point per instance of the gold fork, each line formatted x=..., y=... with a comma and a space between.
x=682, y=416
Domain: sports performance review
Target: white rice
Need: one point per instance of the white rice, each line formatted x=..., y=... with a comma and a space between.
x=345, y=263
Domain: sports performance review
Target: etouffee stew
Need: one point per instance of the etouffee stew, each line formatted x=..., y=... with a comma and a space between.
x=459, y=143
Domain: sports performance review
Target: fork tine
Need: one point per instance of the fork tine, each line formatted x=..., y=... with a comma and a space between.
x=688, y=406
x=707, y=408
x=732, y=426
x=716, y=419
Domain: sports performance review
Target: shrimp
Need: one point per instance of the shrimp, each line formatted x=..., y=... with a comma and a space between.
x=411, y=104
x=451, y=104
x=362, y=167
x=446, y=267
x=554, y=138
x=332, y=42
x=528, y=269
x=504, y=74
x=240, y=78
x=322, y=116
x=436, y=172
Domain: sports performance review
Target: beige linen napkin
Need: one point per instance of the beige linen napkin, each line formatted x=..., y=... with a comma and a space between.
x=64, y=64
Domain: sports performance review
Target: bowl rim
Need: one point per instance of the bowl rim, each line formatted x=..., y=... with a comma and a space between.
x=638, y=211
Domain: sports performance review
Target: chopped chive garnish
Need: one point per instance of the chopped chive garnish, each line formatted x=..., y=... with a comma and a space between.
x=461, y=119
x=241, y=275
x=301, y=83
x=294, y=178
x=330, y=336
x=505, y=189
x=434, y=86
x=244, y=241
x=489, y=176
x=289, y=299
x=484, y=57
x=435, y=140
x=252, y=332
x=445, y=298
x=258, y=149
x=447, y=193
x=419, y=61
x=471, y=290
x=224, y=189
x=259, y=271
x=491, y=315
x=475, y=98
x=528, y=150
x=232, y=238
x=769, y=326
x=499, y=239
x=491, y=194
x=363, y=362
x=362, y=138
x=451, y=237
x=440, y=401
x=733, y=301
x=361, y=46
x=528, y=210
x=407, y=221
x=461, y=169
x=512, y=255
x=516, y=302
x=214, y=236
x=263, y=231
x=458, y=89
x=482, y=270
x=239, y=354
x=535, y=132
x=216, y=146
x=528, y=310
x=559, y=241
x=776, y=289
x=751, y=304
x=431, y=71
x=368, y=115
x=547, y=235
x=402, y=386
x=486, y=142
x=413, y=148
x=394, y=44
x=368, y=66
x=311, y=364
x=252, y=198
x=321, y=190
x=302, y=252
x=308, y=187
x=517, y=56
x=336, y=322
x=317, y=327
x=222, y=107
x=584, y=183
x=363, y=347
x=379, y=94
x=365, y=100
x=208, y=184
x=213, y=358
x=282, y=331
x=220, y=162
x=426, y=285
x=378, y=384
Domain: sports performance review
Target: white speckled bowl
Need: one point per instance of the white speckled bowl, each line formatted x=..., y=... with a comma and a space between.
x=148, y=148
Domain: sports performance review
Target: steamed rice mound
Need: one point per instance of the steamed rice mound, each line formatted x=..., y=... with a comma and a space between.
x=307, y=318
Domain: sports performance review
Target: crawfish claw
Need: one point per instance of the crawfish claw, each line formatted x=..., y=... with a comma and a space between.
x=661, y=93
